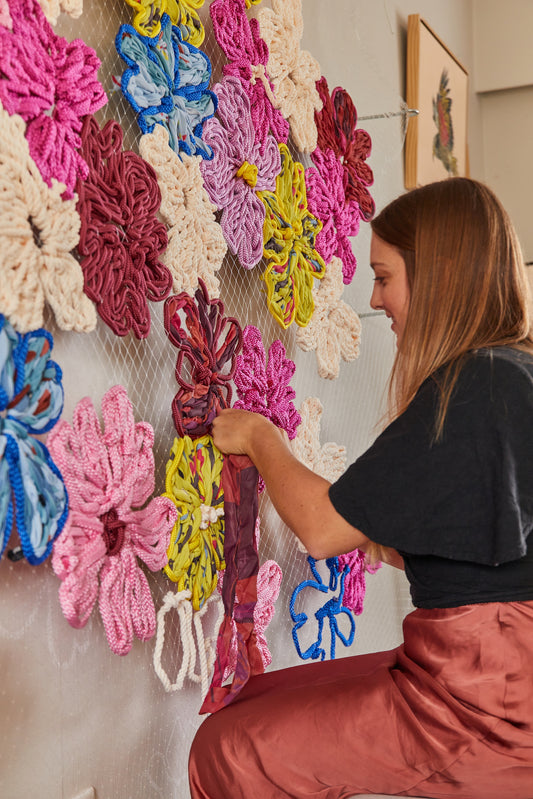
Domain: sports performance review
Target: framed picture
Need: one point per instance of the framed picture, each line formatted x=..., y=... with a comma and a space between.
x=436, y=145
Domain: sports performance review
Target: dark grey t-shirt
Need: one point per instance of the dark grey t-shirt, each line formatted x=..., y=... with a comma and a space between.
x=459, y=510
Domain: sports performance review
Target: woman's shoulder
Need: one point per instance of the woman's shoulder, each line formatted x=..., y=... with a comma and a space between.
x=505, y=368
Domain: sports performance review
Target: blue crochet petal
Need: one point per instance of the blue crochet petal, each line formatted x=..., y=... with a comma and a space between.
x=41, y=505
x=38, y=399
x=6, y=504
x=8, y=342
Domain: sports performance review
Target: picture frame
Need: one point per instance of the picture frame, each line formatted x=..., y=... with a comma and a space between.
x=436, y=143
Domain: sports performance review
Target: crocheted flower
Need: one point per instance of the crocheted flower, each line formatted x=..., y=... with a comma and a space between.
x=263, y=385
x=196, y=244
x=293, y=72
x=338, y=131
x=210, y=345
x=166, y=84
x=32, y=492
x=109, y=474
x=121, y=238
x=247, y=55
x=37, y=232
x=52, y=84
x=239, y=169
x=289, y=237
x=53, y=8
x=335, y=329
x=147, y=20
x=340, y=218
x=196, y=549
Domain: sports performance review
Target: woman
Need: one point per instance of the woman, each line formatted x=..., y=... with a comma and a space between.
x=446, y=491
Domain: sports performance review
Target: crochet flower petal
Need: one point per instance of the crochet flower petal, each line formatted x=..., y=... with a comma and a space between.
x=37, y=232
x=145, y=527
x=147, y=20
x=328, y=460
x=78, y=591
x=53, y=8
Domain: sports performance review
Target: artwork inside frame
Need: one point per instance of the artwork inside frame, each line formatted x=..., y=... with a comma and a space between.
x=436, y=145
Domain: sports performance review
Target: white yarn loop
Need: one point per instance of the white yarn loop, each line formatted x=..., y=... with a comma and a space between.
x=210, y=515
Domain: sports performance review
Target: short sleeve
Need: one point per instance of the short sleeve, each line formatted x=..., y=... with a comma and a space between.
x=467, y=496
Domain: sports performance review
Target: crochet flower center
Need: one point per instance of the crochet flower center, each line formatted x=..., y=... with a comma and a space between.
x=113, y=532
x=36, y=232
x=248, y=172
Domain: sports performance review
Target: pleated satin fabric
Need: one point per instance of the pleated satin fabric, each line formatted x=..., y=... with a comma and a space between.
x=449, y=713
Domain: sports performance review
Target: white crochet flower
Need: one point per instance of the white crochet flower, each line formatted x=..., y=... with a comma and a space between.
x=196, y=244
x=53, y=8
x=334, y=330
x=38, y=230
x=293, y=72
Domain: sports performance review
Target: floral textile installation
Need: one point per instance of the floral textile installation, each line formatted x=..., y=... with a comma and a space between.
x=293, y=71
x=340, y=217
x=182, y=13
x=247, y=54
x=52, y=84
x=196, y=244
x=38, y=230
x=289, y=237
x=109, y=474
x=209, y=344
x=196, y=548
x=338, y=131
x=356, y=565
x=53, y=8
x=241, y=167
x=166, y=83
x=334, y=331
x=32, y=492
x=121, y=238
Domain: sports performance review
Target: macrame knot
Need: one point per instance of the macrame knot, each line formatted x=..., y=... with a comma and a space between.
x=210, y=515
x=257, y=71
x=248, y=172
x=113, y=532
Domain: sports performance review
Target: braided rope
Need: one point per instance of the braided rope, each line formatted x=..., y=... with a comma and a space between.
x=121, y=237
x=52, y=84
x=147, y=20
x=241, y=167
x=334, y=331
x=196, y=244
x=38, y=232
x=293, y=71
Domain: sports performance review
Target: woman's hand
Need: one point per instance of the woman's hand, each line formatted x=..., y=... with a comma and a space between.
x=235, y=431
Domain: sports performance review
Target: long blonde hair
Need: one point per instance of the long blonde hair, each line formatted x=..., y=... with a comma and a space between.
x=467, y=280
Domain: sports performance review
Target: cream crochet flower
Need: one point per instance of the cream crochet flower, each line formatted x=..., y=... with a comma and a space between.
x=293, y=72
x=196, y=244
x=38, y=230
x=334, y=330
x=53, y=8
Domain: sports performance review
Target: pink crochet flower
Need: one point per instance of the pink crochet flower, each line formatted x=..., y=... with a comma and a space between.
x=247, y=55
x=340, y=217
x=121, y=237
x=355, y=581
x=239, y=168
x=263, y=385
x=109, y=477
x=337, y=130
x=52, y=85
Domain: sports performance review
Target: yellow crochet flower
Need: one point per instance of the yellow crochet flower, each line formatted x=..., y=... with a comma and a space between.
x=182, y=13
x=196, y=549
x=289, y=235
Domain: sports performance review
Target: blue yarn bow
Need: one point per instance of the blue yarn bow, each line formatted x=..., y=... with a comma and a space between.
x=330, y=610
x=31, y=400
x=166, y=83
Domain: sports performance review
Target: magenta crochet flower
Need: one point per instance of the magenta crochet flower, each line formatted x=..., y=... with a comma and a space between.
x=109, y=475
x=263, y=384
x=52, y=84
x=121, y=237
x=247, y=55
x=340, y=217
x=240, y=167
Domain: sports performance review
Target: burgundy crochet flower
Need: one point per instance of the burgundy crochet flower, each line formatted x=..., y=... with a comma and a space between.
x=121, y=238
x=337, y=131
x=210, y=343
x=52, y=84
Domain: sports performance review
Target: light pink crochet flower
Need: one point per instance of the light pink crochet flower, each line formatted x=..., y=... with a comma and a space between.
x=109, y=477
x=247, y=55
x=340, y=217
x=240, y=167
x=52, y=85
x=5, y=16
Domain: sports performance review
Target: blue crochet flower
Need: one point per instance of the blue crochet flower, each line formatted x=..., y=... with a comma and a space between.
x=31, y=400
x=167, y=83
x=330, y=610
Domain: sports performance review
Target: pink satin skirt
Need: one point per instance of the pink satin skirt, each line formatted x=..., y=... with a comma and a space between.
x=447, y=714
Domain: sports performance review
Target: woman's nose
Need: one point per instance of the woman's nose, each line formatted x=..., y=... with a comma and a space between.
x=375, y=299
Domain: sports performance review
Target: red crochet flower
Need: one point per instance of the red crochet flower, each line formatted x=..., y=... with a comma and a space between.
x=337, y=131
x=121, y=238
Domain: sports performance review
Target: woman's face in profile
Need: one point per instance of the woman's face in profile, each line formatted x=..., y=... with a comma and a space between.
x=391, y=287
